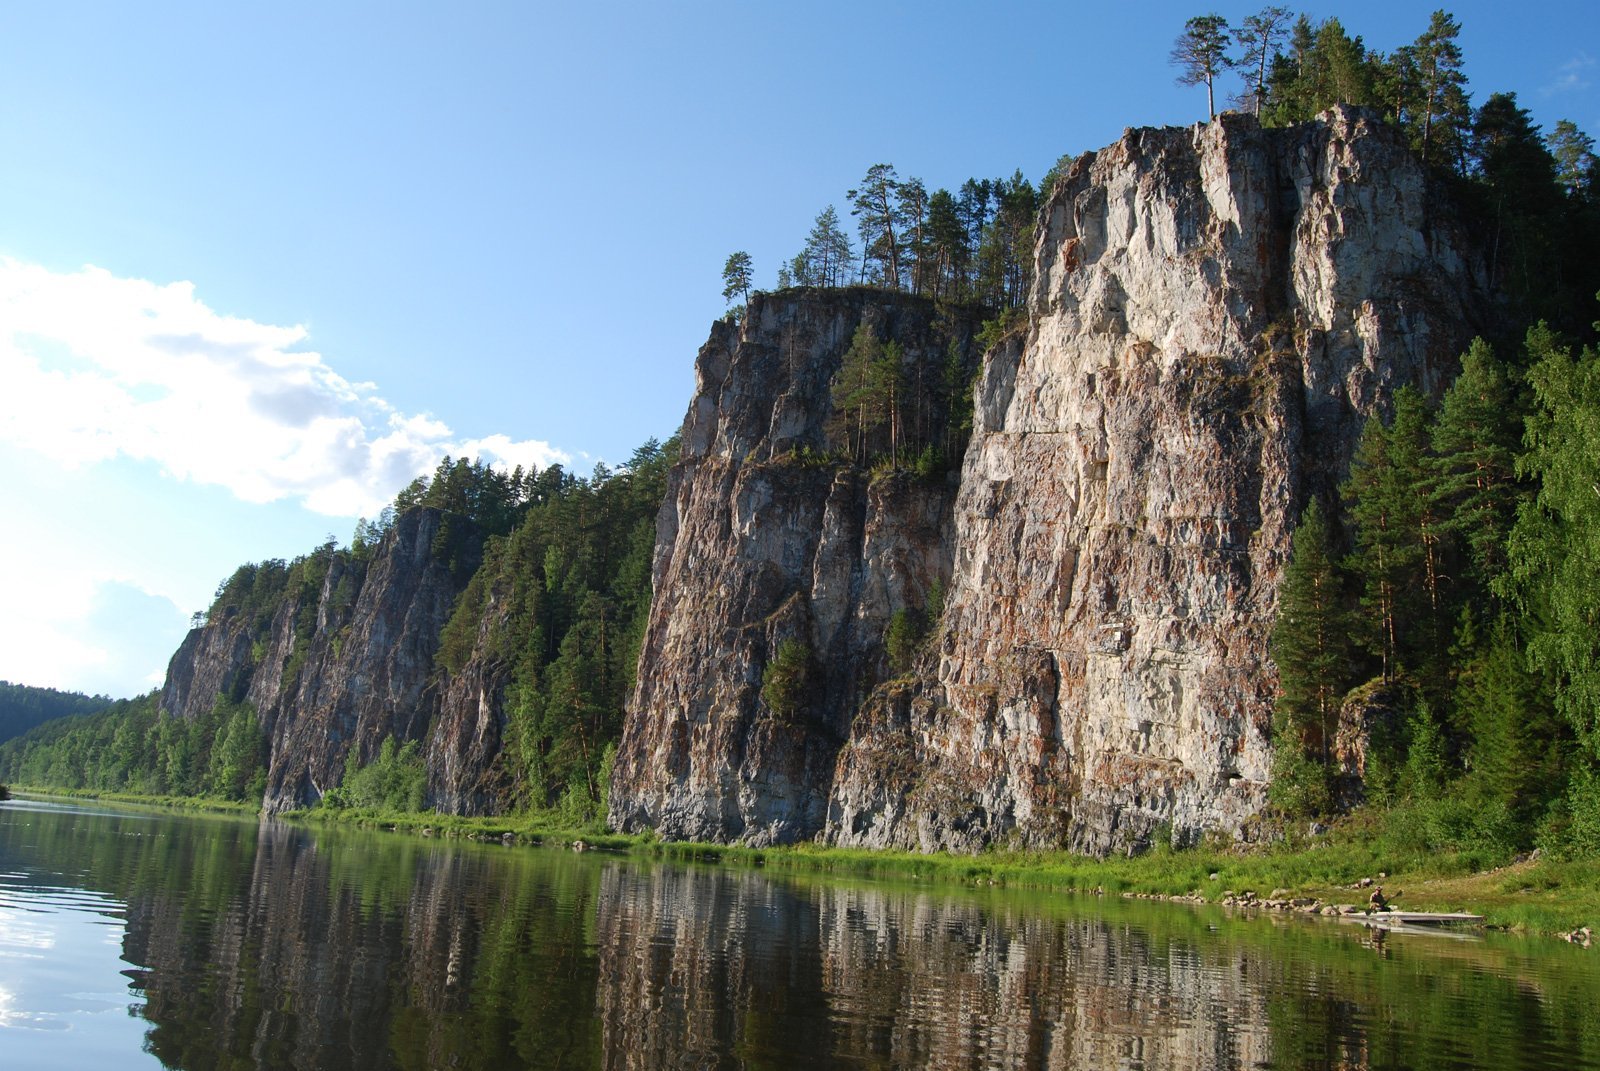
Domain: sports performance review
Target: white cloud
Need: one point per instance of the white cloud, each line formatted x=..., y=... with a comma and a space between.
x=1574, y=75
x=109, y=637
x=93, y=366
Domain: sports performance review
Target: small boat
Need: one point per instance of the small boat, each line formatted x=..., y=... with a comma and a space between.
x=1424, y=918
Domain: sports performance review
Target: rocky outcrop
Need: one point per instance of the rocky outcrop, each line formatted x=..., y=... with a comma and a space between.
x=466, y=771
x=762, y=541
x=340, y=667
x=1216, y=312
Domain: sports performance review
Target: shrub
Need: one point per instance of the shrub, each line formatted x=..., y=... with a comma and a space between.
x=786, y=678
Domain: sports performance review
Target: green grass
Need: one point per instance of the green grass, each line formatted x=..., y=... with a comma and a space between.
x=524, y=829
x=214, y=804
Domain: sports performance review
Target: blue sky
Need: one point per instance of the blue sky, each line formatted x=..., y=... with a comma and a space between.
x=261, y=264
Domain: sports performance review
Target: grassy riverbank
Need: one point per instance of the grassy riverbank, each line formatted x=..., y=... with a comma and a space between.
x=212, y=804
x=1534, y=895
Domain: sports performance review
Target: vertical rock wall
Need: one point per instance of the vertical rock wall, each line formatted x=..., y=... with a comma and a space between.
x=761, y=543
x=1216, y=312
x=365, y=672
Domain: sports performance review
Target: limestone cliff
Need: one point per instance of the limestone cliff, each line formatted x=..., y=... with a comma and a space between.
x=760, y=543
x=1216, y=311
x=340, y=666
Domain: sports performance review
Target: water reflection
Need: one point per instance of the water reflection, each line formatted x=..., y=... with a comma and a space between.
x=65, y=993
x=275, y=946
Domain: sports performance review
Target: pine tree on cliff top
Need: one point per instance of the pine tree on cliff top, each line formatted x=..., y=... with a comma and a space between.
x=1201, y=53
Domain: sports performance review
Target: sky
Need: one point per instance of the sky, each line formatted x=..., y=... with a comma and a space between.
x=261, y=265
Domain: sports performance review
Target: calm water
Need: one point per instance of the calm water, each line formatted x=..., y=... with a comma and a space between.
x=129, y=940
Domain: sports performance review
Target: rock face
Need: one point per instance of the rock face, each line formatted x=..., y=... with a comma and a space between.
x=1216, y=312
x=339, y=668
x=760, y=544
x=465, y=774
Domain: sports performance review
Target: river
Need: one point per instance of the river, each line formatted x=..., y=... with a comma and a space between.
x=131, y=938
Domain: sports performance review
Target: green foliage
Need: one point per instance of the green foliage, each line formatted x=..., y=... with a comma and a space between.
x=1473, y=484
x=736, y=274
x=393, y=781
x=1299, y=783
x=880, y=222
x=1573, y=152
x=1002, y=327
x=786, y=680
x=1323, y=67
x=555, y=614
x=1201, y=55
x=1516, y=758
x=1398, y=543
x=826, y=259
x=1574, y=827
x=1445, y=532
x=974, y=246
x=1439, y=107
x=303, y=591
x=1259, y=36
x=903, y=639
x=1555, y=544
x=133, y=746
x=1426, y=764
x=868, y=391
x=1311, y=644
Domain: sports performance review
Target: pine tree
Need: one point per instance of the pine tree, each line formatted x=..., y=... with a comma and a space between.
x=1260, y=35
x=1288, y=86
x=1311, y=641
x=911, y=209
x=1555, y=545
x=827, y=255
x=947, y=245
x=1515, y=759
x=1474, y=445
x=1381, y=497
x=874, y=203
x=1573, y=151
x=736, y=277
x=1441, y=108
x=852, y=390
x=1201, y=54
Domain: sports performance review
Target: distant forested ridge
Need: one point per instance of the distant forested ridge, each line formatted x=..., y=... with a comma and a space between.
x=22, y=707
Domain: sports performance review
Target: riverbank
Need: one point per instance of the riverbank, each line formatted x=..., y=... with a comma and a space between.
x=210, y=804
x=1340, y=865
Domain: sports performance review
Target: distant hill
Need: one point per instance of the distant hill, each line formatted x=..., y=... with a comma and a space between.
x=23, y=707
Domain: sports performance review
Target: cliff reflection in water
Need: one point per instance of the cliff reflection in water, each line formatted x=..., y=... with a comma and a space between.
x=278, y=947
x=709, y=964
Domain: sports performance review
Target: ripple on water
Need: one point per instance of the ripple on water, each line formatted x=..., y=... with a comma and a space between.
x=64, y=999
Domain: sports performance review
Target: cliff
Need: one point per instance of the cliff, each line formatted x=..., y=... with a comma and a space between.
x=333, y=666
x=1216, y=312
x=759, y=543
